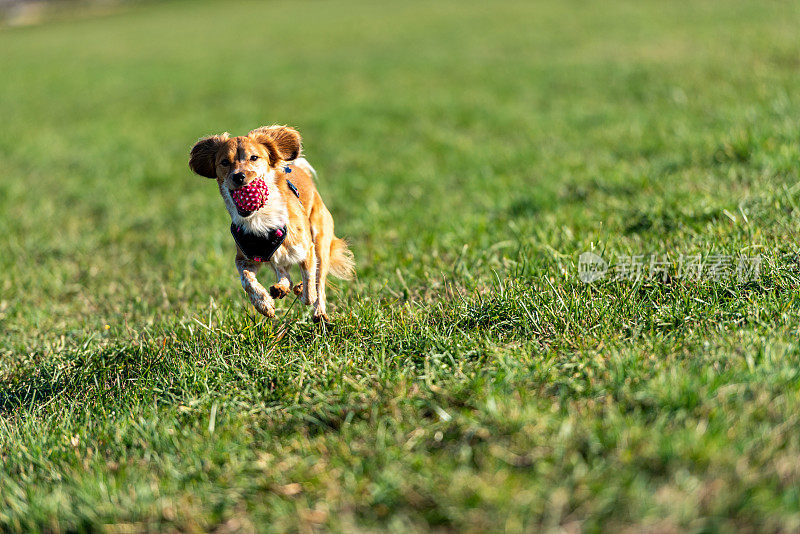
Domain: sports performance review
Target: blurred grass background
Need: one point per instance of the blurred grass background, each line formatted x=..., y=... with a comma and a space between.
x=470, y=152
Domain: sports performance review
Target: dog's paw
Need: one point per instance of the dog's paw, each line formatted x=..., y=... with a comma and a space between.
x=263, y=304
x=321, y=317
x=298, y=289
x=278, y=291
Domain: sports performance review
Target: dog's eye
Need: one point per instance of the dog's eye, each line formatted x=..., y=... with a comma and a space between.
x=253, y=157
x=224, y=162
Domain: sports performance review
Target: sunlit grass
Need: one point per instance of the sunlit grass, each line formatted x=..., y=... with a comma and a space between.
x=470, y=381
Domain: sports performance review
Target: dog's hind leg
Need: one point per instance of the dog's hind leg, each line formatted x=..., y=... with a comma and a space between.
x=322, y=247
x=308, y=268
x=255, y=291
x=284, y=284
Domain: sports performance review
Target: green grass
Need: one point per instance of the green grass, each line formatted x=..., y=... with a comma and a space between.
x=471, y=382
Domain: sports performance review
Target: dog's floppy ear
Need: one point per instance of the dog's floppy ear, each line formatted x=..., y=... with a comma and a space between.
x=201, y=159
x=282, y=142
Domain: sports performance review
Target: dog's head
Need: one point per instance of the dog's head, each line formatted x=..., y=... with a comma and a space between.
x=236, y=161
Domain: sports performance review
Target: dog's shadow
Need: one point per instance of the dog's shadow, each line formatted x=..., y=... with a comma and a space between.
x=166, y=368
x=80, y=374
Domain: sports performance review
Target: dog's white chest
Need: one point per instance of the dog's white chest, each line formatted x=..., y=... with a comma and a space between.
x=288, y=255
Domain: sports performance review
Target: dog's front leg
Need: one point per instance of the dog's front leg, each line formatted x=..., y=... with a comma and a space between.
x=258, y=295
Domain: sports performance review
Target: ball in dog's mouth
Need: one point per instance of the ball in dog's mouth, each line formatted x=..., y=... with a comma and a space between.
x=250, y=197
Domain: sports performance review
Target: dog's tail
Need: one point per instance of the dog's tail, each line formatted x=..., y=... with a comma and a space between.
x=303, y=163
x=343, y=265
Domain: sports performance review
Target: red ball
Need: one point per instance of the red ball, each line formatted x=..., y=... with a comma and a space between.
x=252, y=196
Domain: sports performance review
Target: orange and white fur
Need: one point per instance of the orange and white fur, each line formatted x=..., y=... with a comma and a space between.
x=310, y=243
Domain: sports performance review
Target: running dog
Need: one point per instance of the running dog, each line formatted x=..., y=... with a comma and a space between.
x=277, y=214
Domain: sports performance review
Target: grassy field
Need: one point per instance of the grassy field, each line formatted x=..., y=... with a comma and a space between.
x=470, y=152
